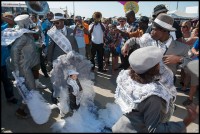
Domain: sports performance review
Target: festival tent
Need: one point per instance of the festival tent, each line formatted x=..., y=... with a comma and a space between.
x=182, y=15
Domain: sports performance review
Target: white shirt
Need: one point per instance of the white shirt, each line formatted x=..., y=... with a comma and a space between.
x=97, y=34
x=64, y=30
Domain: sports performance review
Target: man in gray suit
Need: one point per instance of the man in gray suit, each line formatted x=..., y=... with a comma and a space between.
x=61, y=41
x=175, y=53
x=55, y=48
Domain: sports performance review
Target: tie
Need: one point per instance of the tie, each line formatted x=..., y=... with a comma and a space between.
x=62, y=32
x=164, y=48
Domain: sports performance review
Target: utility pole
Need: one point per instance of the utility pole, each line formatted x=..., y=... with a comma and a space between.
x=73, y=9
x=177, y=6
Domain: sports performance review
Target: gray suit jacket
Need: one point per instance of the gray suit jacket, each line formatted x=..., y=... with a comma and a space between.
x=179, y=49
x=54, y=51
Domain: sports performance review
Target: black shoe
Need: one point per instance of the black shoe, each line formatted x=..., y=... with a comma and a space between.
x=120, y=66
x=46, y=75
x=102, y=70
x=54, y=100
x=13, y=101
x=21, y=113
x=187, y=102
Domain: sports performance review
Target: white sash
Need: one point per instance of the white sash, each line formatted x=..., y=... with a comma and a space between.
x=60, y=39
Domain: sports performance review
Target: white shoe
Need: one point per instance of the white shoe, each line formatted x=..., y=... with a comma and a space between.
x=39, y=84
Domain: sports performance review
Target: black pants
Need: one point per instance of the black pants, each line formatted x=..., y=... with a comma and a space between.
x=97, y=48
x=7, y=83
x=125, y=62
x=42, y=63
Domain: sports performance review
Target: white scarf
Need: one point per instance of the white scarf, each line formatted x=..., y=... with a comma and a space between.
x=130, y=93
x=60, y=39
x=9, y=35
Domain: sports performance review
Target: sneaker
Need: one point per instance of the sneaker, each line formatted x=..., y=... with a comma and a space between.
x=13, y=101
x=21, y=113
x=187, y=102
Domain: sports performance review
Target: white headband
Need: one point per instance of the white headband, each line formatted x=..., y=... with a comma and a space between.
x=59, y=17
x=163, y=24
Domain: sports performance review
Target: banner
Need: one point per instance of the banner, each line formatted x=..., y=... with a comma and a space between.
x=130, y=5
x=123, y=2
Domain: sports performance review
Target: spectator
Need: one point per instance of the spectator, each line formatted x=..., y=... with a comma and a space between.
x=9, y=19
x=7, y=83
x=46, y=25
x=195, y=49
x=142, y=27
x=192, y=69
x=107, y=41
x=115, y=41
x=41, y=46
x=130, y=15
x=87, y=40
x=79, y=31
x=193, y=37
x=185, y=29
x=187, y=76
x=122, y=26
x=96, y=30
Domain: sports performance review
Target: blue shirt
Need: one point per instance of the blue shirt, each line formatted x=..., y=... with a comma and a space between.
x=4, y=26
x=5, y=53
x=46, y=25
x=196, y=46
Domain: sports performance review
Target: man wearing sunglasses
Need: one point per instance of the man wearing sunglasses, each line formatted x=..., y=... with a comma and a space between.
x=61, y=42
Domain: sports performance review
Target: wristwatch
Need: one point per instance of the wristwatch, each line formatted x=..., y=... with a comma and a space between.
x=181, y=60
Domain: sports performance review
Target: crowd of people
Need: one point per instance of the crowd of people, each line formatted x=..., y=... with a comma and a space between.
x=151, y=52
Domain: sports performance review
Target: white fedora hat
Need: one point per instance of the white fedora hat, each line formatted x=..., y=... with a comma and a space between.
x=165, y=22
x=58, y=16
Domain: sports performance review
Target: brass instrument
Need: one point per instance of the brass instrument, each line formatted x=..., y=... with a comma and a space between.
x=80, y=25
x=38, y=7
x=97, y=17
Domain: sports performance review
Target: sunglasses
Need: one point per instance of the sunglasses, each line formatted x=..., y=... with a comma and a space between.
x=121, y=21
x=56, y=23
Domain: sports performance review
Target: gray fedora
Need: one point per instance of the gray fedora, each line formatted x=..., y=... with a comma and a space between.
x=58, y=16
x=165, y=21
x=143, y=59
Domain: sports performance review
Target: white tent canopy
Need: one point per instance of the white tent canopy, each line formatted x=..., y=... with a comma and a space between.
x=182, y=15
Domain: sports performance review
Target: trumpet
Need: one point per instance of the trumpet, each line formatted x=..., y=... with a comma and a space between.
x=80, y=26
x=97, y=16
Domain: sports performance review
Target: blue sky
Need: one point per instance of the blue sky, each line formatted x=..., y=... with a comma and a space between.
x=114, y=8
